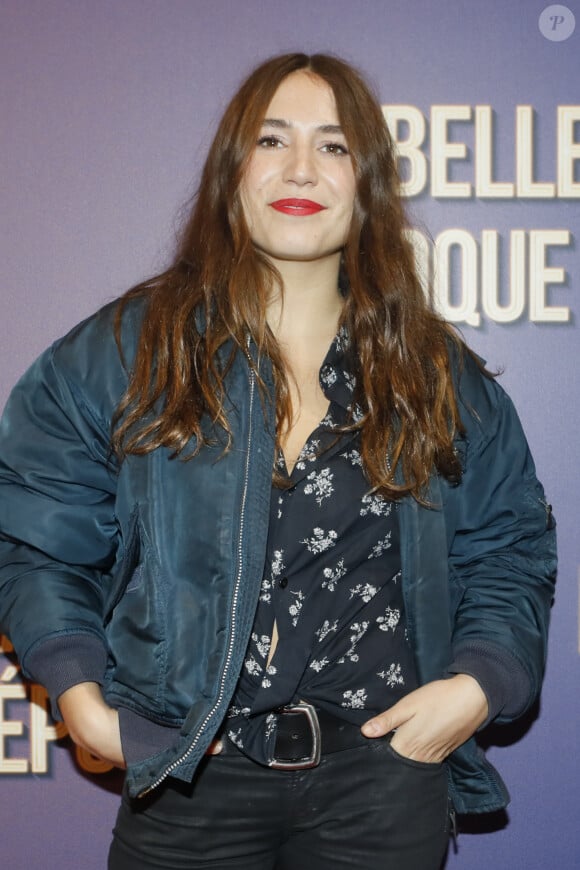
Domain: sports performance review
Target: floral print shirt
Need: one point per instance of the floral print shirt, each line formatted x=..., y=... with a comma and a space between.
x=331, y=584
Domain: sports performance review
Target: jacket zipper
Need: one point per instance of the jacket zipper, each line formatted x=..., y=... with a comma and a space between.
x=167, y=772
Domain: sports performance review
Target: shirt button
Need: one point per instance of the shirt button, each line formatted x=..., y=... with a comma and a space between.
x=283, y=582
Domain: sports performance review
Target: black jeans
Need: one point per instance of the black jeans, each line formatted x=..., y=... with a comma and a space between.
x=363, y=809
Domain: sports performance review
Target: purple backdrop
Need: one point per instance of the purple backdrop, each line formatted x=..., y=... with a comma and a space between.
x=107, y=111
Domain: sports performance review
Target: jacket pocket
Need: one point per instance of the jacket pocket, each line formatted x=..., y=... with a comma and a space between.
x=129, y=571
x=137, y=631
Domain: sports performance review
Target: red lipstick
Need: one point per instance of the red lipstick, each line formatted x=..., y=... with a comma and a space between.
x=299, y=207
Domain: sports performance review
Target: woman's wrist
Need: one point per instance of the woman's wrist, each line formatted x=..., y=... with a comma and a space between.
x=90, y=721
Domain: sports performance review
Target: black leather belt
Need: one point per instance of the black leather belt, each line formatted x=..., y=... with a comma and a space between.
x=304, y=733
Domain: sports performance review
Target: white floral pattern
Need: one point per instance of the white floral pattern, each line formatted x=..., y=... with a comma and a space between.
x=357, y=413
x=342, y=340
x=270, y=724
x=252, y=666
x=320, y=485
x=328, y=376
x=309, y=453
x=236, y=737
x=390, y=620
x=329, y=422
x=350, y=381
x=262, y=643
x=354, y=698
x=375, y=504
x=366, y=591
x=330, y=586
x=270, y=671
x=333, y=575
x=277, y=563
x=296, y=606
x=325, y=629
x=392, y=676
x=320, y=540
x=380, y=547
x=266, y=590
x=235, y=711
x=354, y=457
x=318, y=664
x=359, y=630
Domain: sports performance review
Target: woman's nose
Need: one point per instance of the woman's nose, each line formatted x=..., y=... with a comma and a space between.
x=300, y=166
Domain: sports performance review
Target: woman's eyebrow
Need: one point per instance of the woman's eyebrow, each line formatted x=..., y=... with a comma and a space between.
x=281, y=124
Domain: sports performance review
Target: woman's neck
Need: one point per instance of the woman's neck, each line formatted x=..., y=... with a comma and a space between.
x=309, y=306
x=303, y=316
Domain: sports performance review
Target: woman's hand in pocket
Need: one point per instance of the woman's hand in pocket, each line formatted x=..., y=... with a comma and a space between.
x=432, y=721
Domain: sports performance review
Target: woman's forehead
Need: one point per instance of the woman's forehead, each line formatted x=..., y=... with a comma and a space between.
x=303, y=97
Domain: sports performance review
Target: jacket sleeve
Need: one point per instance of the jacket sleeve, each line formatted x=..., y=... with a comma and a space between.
x=58, y=534
x=502, y=553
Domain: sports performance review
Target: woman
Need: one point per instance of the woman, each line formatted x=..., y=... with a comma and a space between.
x=275, y=540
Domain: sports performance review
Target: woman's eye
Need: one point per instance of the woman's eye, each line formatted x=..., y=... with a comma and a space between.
x=269, y=142
x=335, y=148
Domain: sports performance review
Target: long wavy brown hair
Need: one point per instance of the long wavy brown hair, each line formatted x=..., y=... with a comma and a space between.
x=205, y=307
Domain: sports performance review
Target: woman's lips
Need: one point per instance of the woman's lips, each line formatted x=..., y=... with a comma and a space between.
x=300, y=207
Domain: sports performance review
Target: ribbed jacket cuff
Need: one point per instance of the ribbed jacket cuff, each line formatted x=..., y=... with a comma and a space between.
x=141, y=738
x=501, y=676
x=64, y=661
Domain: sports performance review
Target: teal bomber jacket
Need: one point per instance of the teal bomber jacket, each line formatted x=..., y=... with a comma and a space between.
x=144, y=575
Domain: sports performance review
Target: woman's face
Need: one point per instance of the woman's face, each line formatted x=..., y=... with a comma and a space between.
x=299, y=187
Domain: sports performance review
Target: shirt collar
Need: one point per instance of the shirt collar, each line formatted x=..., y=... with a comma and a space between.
x=336, y=378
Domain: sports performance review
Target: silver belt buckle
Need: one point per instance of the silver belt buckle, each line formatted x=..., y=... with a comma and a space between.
x=313, y=760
